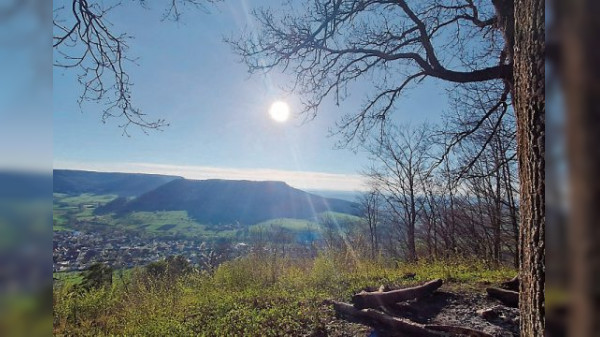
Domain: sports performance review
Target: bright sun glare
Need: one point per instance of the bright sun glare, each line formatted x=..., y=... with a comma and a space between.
x=280, y=111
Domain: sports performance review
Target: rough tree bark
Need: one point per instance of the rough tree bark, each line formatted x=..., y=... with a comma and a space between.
x=529, y=97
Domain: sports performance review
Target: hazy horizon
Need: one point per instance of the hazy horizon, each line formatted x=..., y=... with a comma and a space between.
x=305, y=180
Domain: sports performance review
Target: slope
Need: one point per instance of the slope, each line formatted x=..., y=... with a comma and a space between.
x=123, y=184
x=231, y=201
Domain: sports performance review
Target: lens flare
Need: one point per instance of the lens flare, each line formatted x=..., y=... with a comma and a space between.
x=280, y=111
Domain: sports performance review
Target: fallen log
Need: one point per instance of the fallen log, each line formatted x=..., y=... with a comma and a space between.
x=507, y=297
x=378, y=320
x=378, y=299
x=394, y=326
x=513, y=284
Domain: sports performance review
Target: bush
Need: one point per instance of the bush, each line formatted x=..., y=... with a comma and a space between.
x=169, y=269
x=98, y=275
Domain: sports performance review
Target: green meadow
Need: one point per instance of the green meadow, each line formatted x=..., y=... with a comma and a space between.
x=69, y=212
x=252, y=296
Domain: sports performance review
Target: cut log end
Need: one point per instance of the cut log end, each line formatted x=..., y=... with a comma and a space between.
x=507, y=297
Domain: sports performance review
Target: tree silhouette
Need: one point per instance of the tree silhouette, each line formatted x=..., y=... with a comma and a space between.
x=329, y=44
x=85, y=40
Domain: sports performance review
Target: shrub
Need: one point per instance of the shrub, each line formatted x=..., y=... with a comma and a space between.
x=96, y=276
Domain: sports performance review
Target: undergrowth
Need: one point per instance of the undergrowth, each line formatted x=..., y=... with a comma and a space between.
x=252, y=296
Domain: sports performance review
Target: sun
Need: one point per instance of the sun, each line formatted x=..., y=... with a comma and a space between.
x=279, y=111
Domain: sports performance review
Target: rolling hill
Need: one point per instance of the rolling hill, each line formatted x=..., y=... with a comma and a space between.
x=122, y=184
x=230, y=201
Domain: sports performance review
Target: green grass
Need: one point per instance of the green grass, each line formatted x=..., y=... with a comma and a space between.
x=81, y=208
x=85, y=198
x=58, y=218
x=341, y=216
x=253, y=296
x=67, y=278
x=153, y=221
x=302, y=224
x=67, y=208
x=287, y=223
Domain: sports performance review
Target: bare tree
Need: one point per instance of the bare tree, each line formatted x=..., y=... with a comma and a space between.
x=432, y=216
x=333, y=234
x=476, y=219
x=84, y=39
x=401, y=161
x=333, y=43
x=371, y=203
x=490, y=179
x=394, y=43
x=342, y=235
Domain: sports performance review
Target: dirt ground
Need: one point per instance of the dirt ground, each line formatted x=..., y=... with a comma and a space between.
x=444, y=307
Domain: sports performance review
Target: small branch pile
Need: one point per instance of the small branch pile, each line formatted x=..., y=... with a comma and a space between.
x=376, y=309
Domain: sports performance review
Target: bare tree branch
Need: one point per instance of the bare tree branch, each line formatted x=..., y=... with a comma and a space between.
x=393, y=42
x=85, y=40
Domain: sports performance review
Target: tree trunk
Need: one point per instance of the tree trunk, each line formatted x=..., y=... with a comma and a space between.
x=529, y=97
x=581, y=75
x=412, y=251
x=512, y=208
x=497, y=218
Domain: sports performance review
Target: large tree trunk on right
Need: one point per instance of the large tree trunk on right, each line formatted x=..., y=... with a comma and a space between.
x=529, y=97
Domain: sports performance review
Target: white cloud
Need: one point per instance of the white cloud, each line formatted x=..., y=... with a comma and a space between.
x=298, y=179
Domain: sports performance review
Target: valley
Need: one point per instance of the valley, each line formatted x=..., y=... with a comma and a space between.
x=87, y=230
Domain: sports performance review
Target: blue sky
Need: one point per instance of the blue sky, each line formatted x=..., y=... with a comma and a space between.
x=218, y=115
